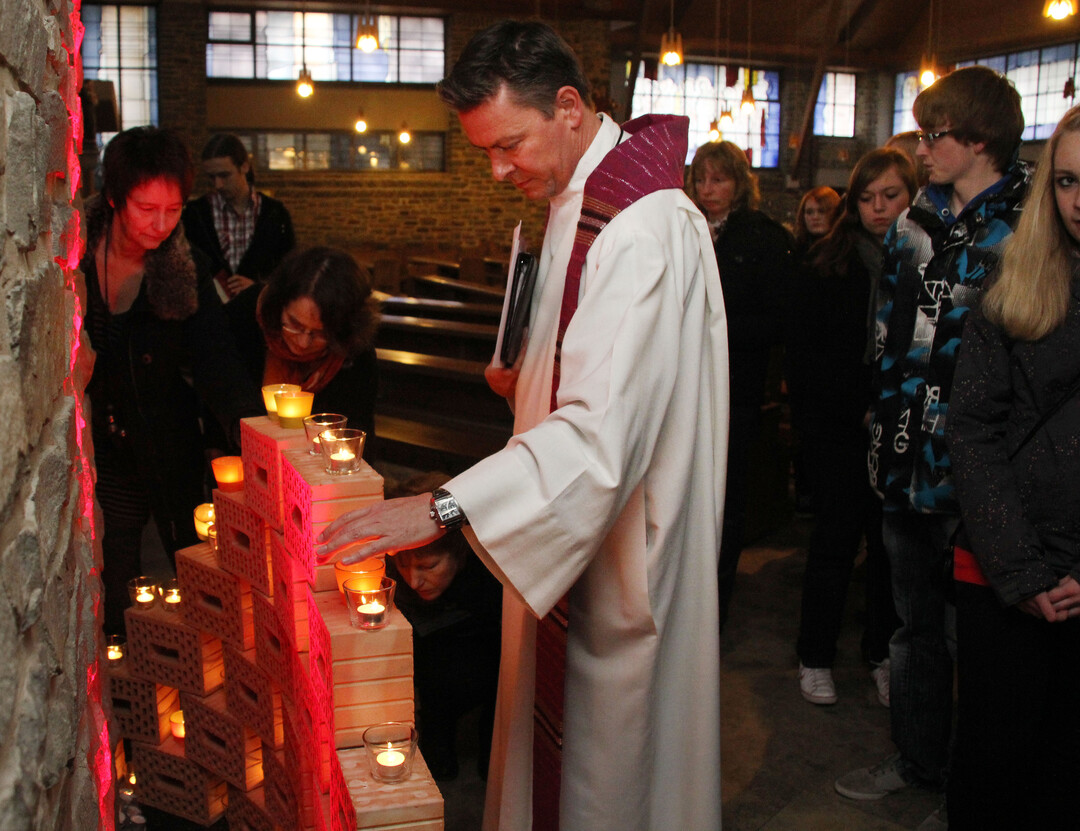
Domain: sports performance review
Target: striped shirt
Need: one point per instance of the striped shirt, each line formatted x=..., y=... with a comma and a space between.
x=234, y=230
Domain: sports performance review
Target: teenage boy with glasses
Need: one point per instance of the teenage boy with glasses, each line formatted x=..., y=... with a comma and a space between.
x=938, y=258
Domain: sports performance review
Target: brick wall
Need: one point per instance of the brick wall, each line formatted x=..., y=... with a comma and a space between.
x=463, y=207
x=51, y=755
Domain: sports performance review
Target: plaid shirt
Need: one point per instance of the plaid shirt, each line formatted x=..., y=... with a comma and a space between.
x=234, y=230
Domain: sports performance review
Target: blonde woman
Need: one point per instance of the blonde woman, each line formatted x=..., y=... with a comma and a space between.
x=1012, y=433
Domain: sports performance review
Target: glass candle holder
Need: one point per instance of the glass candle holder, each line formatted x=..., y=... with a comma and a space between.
x=211, y=536
x=369, y=608
x=390, y=750
x=292, y=406
x=176, y=724
x=204, y=517
x=170, y=596
x=143, y=592
x=369, y=573
x=268, y=393
x=115, y=647
x=229, y=473
x=342, y=449
x=315, y=424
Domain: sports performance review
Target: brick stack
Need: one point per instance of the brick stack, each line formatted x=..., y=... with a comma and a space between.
x=275, y=686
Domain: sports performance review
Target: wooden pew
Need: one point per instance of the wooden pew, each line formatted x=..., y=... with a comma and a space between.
x=404, y=306
x=449, y=338
x=448, y=288
x=437, y=412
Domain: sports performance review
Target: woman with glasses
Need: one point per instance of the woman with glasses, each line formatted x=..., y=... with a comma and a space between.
x=319, y=319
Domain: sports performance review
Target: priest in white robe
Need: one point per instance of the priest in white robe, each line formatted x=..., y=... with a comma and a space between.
x=614, y=495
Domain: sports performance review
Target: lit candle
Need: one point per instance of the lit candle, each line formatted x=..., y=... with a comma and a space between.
x=114, y=649
x=293, y=406
x=131, y=777
x=371, y=613
x=143, y=591
x=342, y=449
x=370, y=572
x=204, y=518
x=229, y=473
x=171, y=595
x=270, y=390
x=390, y=758
x=144, y=596
x=176, y=724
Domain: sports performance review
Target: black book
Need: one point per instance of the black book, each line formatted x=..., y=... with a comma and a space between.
x=517, y=317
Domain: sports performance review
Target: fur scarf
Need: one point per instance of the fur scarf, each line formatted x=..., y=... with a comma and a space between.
x=169, y=274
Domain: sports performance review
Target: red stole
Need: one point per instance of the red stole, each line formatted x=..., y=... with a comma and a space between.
x=651, y=159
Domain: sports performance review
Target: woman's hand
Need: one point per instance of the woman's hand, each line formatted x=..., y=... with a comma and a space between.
x=393, y=525
x=1056, y=605
x=1065, y=596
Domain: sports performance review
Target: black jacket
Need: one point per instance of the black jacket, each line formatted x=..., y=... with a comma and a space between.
x=754, y=255
x=272, y=240
x=170, y=349
x=1022, y=517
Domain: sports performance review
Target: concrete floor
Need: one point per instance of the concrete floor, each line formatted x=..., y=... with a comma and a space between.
x=780, y=753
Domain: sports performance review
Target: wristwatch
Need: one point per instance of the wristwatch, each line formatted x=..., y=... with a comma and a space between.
x=446, y=511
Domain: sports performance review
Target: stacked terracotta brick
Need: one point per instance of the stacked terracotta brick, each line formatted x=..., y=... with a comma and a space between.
x=275, y=686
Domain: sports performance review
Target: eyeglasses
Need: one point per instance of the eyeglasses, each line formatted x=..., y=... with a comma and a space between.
x=297, y=331
x=930, y=138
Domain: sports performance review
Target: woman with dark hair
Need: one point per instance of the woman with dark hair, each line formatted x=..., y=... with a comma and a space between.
x=1012, y=436
x=154, y=319
x=817, y=211
x=831, y=359
x=755, y=258
x=319, y=320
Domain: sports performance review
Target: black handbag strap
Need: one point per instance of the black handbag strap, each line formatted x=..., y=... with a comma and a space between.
x=1045, y=417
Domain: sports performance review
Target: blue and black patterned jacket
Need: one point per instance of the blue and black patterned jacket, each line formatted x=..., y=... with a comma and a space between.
x=935, y=270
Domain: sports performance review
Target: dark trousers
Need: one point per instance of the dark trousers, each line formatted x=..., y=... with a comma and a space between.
x=127, y=502
x=743, y=431
x=845, y=509
x=1016, y=762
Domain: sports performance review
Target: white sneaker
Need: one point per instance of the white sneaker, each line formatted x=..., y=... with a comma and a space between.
x=816, y=684
x=880, y=674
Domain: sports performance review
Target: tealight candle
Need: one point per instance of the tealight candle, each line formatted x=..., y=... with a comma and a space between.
x=390, y=749
x=176, y=724
x=369, y=608
x=268, y=393
x=292, y=406
x=204, y=517
x=342, y=449
x=143, y=592
x=211, y=536
x=170, y=595
x=316, y=424
x=229, y=473
x=114, y=648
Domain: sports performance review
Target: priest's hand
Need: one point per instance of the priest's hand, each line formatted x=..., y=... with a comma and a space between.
x=393, y=525
x=503, y=380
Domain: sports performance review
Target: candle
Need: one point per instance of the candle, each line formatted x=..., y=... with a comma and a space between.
x=211, y=536
x=144, y=596
x=390, y=748
x=229, y=473
x=342, y=449
x=315, y=424
x=143, y=591
x=369, y=574
x=176, y=724
x=293, y=406
x=170, y=593
x=204, y=517
x=114, y=648
x=371, y=614
x=131, y=777
x=268, y=393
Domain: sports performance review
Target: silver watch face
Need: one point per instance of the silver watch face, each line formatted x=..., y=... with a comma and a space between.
x=447, y=509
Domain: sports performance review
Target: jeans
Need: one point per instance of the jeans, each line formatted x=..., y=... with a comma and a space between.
x=1017, y=758
x=921, y=678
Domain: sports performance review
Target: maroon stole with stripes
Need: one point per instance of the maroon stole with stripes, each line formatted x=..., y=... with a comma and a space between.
x=651, y=159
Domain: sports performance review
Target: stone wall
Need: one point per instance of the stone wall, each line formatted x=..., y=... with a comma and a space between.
x=54, y=765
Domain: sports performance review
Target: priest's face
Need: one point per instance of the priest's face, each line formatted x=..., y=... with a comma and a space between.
x=534, y=153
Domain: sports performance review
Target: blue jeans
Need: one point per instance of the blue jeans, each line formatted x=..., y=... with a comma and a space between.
x=921, y=678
